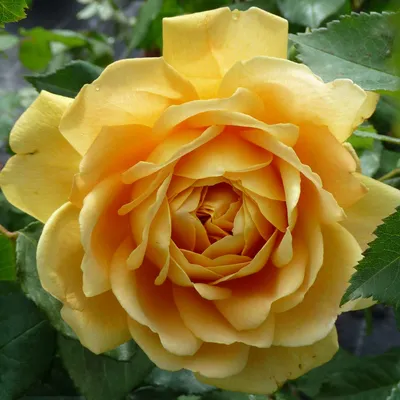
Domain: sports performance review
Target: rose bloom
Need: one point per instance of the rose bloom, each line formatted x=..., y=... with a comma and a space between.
x=202, y=203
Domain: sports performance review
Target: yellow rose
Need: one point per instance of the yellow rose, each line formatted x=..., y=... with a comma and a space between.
x=203, y=202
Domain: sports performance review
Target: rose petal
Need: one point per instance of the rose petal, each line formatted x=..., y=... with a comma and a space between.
x=203, y=46
x=211, y=327
x=38, y=179
x=212, y=360
x=315, y=316
x=139, y=296
x=59, y=256
x=98, y=331
x=341, y=105
x=98, y=215
x=364, y=216
x=268, y=369
x=132, y=91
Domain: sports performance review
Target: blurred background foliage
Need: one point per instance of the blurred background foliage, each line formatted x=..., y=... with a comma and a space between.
x=56, y=33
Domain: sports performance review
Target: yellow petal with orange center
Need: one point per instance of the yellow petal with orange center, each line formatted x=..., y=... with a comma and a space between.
x=38, y=179
x=203, y=46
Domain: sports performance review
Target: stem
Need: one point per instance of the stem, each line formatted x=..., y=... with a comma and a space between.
x=390, y=174
x=5, y=232
x=377, y=136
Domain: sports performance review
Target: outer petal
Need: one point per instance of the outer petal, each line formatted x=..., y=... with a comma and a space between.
x=364, y=216
x=341, y=105
x=59, y=256
x=99, y=322
x=203, y=46
x=267, y=369
x=134, y=91
x=212, y=360
x=315, y=316
x=38, y=179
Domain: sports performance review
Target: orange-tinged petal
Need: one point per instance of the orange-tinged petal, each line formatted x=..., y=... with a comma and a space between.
x=243, y=101
x=315, y=316
x=141, y=297
x=203, y=46
x=212, y=360
x=101, y=323
x=268, y=369
x=341, y=105
x=327, y=207
x=212, y=159
x=264, y=182
x=102, y=230
x=38, y=179
x=132, y=91
x=114, y=150
x=142, y=218
x=309, y=230
x=144, y=168
x=364, y=216
x=326, y=156
x=59, y=256
x=211, y=327
x=291, y=183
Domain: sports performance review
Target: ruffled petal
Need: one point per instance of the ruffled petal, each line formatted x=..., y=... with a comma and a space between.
x=132, y=91
x=212, y=360
x=341, y=105
x=38, y=179
x=315, y=316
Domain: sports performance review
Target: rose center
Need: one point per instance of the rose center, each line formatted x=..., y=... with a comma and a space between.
x=217, y=209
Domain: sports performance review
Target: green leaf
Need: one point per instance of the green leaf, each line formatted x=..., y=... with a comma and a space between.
x=7, y=41
x=35, y=51
x=11, y=217
x=27, y=342
x=99, y=377
x=268, y=5
x=28, y=276
x=66, y=81
x=370, y=378
x=366, y=58
x=124, y=352
x=395, y=393
x=183, y=382
x=311, y=383
x=309, y=12
x=7, y=258
x=56, y=383
x=147, y=13
x=378, y=273
x=12, y=11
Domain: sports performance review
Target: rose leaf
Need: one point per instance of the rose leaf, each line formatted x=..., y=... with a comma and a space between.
x=366, y=58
